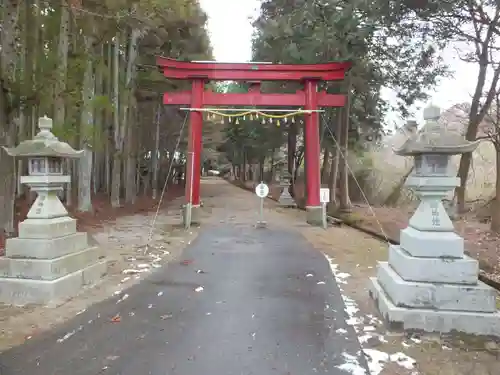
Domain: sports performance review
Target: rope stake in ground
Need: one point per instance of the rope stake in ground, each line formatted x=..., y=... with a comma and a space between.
x=356, y=180
x=164, y=189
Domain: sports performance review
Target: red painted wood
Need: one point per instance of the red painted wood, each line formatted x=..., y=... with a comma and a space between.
x=254, y=99
x=246, y=75
x=189, y=65
x=195, y=144
x=312, y=150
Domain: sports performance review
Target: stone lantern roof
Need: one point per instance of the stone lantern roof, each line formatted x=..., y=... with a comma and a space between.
x=435, y=139
x=44, y=144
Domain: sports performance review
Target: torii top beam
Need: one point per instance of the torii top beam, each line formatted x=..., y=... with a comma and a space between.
x=175, y=69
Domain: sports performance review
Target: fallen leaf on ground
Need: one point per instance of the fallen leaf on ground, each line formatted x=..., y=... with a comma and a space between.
x=116, y=319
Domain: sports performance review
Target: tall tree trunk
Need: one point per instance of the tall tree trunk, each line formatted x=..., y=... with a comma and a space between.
x=291, y=153
x=131, y=152
x=476, y=116
x=495, y=208
x=36, y=46
x=129, y=110
x=109, y=145
x=156, y=152
x=243, y=175
x=324, y=166
x=344, y=202
x=118, y=137
x=99, y=129
x=334, y=166
x=62, y=66
x=8, y=61
x=86, y=128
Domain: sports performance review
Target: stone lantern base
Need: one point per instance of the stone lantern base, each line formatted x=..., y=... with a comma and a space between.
x=434, y=287
x=49, y=262
x=286, y=199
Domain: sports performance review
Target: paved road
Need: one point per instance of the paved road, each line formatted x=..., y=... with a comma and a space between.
x=261, y=312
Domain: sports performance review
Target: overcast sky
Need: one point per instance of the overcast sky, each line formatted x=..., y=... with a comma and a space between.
x=231, y=32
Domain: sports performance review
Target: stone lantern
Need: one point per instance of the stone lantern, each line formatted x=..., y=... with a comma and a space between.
x=285, y=199
x=428, y=283
x=50, y=260
x=45, y=155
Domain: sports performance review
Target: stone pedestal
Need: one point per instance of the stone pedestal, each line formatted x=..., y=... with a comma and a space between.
x=315, y=216
x=48, y=263
x=286, y=199
x=195, y=215
x=428, y=283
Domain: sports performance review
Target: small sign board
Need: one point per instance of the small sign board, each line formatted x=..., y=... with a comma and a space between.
x=262, y=190
x=324, y=195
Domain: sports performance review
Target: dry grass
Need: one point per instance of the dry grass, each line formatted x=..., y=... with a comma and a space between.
x=388, y=169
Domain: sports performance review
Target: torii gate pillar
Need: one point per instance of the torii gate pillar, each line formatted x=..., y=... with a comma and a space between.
x=195, y=139
x=312, y=155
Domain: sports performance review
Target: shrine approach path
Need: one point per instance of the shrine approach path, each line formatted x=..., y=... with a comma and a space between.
x=241, y=300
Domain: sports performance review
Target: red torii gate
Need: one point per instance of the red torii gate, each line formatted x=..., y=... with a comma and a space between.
x=309, y=99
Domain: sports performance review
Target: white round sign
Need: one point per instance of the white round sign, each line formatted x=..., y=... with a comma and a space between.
x=262, y=190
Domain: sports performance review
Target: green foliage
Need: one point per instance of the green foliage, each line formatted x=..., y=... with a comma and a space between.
x=174, y=28
x=378, y=37
x=249, y=140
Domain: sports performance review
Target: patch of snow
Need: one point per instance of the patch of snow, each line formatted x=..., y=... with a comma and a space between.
x=124, y=297
x=351, y=365
x=66, y=336
x=376, y=359
x=69, y=334
x=130, y=271
x=351, y=308
x=341, y=277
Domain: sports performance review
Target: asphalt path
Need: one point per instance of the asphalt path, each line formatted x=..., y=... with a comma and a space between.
x=241, y=301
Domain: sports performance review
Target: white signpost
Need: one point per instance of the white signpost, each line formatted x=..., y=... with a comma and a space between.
x=261, y=190
x=324, y=197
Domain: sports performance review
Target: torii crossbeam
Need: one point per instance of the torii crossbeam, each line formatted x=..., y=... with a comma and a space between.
x=309, y=98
